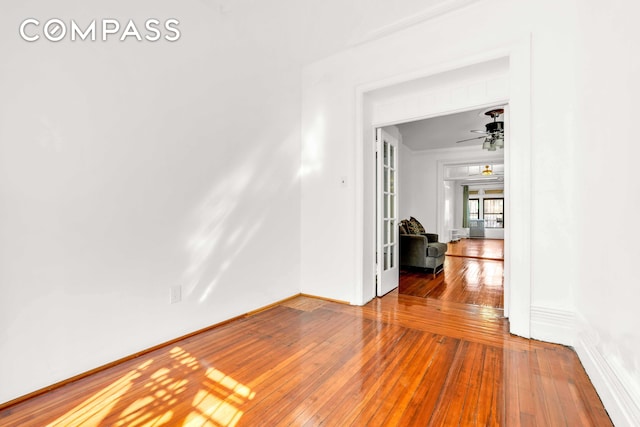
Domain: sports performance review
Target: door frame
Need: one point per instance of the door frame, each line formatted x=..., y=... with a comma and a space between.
x=517, y=269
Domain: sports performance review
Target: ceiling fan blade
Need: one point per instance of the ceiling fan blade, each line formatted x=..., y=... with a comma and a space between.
x=479, y=131
x=471, y=139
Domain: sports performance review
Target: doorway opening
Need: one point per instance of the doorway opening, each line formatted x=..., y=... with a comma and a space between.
x=500, y=80
x=447, y=179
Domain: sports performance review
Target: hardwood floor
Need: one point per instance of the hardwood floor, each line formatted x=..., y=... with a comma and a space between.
x=400, y=360
x=472, y=274
x=477, y=248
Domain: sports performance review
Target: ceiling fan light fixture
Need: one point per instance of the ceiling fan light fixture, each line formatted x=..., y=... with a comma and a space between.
x=494, y=131
x=494, y=127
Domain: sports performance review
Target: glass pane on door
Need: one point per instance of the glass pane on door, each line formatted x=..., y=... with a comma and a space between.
x=389, y=205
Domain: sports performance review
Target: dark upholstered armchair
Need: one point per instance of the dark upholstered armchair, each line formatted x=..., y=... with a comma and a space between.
x=421, y=250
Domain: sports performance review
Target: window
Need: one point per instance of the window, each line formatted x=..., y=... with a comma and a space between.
x=474, y=208
x=493, y=213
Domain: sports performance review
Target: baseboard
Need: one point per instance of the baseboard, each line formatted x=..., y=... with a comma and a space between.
x=337, y=301
x=553, y=325
x=620, y=398
x=75, y=378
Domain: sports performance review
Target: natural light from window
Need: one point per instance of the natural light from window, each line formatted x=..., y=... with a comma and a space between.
x=214, y=398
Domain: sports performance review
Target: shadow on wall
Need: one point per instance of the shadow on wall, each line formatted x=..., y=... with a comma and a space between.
x=235, y=210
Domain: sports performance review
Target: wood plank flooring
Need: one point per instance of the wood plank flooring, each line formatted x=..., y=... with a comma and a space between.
x=473, y=274
x=400, y=360
x=477, y=248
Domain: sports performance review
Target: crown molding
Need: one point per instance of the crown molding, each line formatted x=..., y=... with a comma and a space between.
x=432, y=12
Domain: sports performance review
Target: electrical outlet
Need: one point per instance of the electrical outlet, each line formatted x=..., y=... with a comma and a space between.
x=176, y=294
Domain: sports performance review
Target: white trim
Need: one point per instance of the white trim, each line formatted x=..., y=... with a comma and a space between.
x=467, y=61
x=430, y=13
x=617, y=395
x=358, y=294
x=553, y=325
x=517, y=267
x=518, y=191
x=616, y=392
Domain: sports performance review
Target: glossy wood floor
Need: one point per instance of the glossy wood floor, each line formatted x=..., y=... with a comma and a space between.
x=477, y=248
x=472, y=274
x=398, y=361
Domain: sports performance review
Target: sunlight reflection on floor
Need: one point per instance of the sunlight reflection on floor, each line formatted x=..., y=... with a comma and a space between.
x=97, y=407
x=214, y=397
x=210, y=409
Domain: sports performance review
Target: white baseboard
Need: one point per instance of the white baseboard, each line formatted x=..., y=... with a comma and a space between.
x=553, y=325
x=619, y=398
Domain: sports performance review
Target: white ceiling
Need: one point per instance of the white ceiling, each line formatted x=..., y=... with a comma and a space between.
x=444, y=131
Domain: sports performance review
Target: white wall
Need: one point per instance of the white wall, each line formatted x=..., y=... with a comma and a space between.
x=606, y=285
x=571, y=89
x=128, y=168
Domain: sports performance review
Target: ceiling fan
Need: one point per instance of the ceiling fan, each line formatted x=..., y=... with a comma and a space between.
x=494, y=131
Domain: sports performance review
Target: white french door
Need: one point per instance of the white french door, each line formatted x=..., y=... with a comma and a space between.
x=386, y=212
